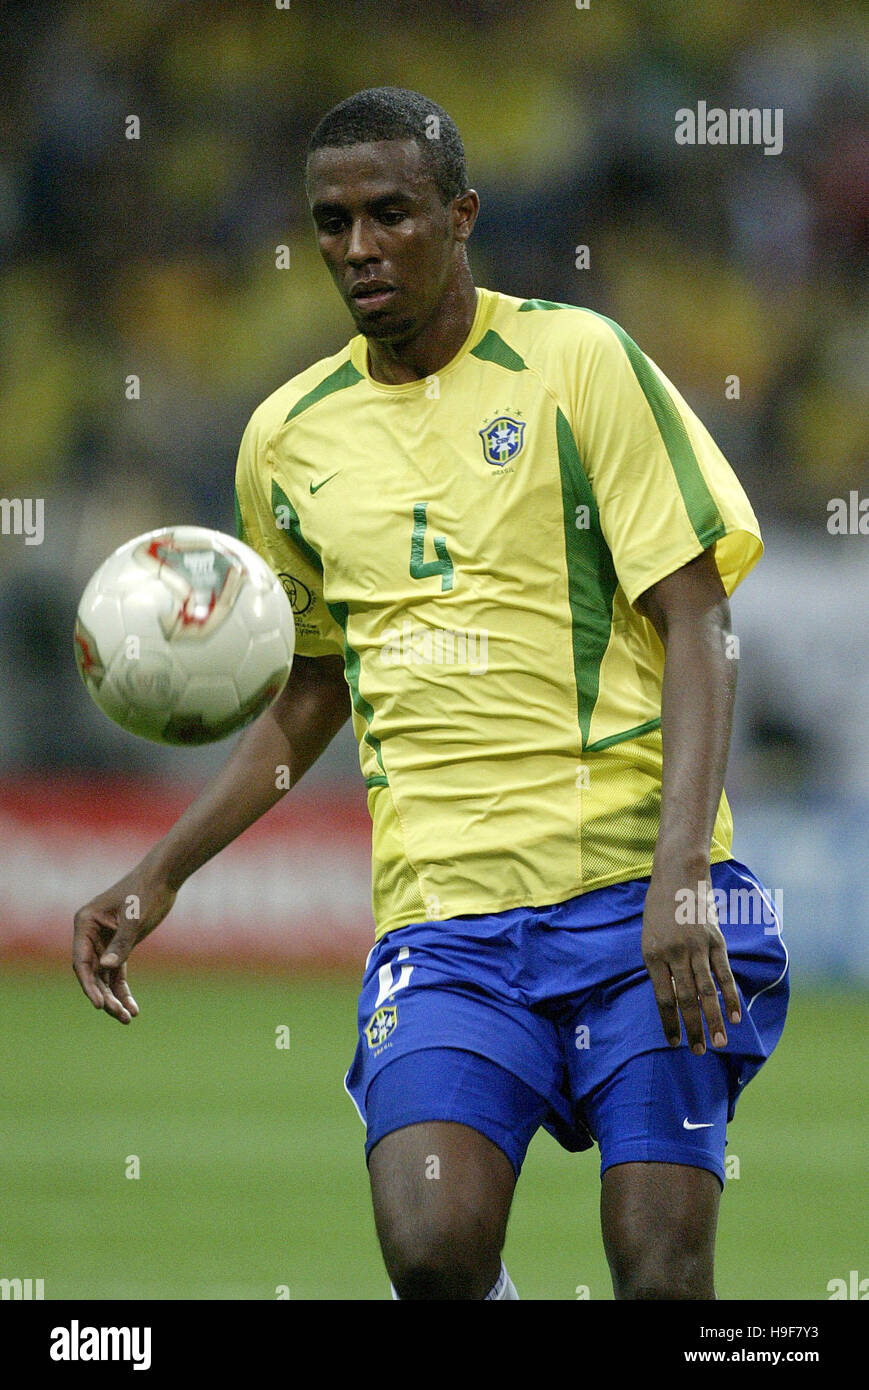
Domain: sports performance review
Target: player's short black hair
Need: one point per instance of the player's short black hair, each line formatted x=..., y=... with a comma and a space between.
x=394, y=113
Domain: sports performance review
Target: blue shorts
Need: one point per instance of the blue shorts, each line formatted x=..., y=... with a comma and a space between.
x=547, y=1016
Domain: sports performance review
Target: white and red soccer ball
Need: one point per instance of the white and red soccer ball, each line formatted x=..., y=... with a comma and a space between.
x=184, y=635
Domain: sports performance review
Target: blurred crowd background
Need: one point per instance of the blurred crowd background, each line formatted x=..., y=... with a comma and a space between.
x=156, y=256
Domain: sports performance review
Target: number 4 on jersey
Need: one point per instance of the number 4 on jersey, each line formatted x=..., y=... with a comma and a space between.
x=421, y=568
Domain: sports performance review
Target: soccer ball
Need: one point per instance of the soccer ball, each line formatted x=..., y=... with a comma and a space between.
x=184, y=635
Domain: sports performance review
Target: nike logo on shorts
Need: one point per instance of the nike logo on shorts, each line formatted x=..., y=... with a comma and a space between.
x=686, y=1124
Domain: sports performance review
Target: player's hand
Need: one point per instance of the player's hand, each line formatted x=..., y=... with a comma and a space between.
x=106, y=930
x=685, y=959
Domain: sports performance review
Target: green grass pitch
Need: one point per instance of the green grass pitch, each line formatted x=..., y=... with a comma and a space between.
x=251, y=1169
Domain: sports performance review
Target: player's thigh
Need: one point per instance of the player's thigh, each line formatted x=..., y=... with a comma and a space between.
x=441, y=1192
x=447, y=1135
x=660, y=1121
x=658, y=1222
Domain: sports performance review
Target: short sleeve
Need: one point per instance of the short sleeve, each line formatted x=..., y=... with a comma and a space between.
x=664, y=491
x=257, y=524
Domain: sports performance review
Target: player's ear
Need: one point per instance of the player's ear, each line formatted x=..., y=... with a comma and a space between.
x=465, y=209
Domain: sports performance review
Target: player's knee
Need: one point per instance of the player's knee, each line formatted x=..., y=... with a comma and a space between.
x=660, y=1259
x=425, y=1276
x=664, y=1273
x=441, y=1259
x=664, y=1285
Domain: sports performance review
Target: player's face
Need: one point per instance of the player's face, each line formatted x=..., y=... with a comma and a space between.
x=387, y=238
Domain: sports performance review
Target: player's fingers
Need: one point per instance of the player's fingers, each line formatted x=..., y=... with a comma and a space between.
x=113, y=1004
x=720, y=963
x=84, y=959
x=665, y=998
x=124, y=993
x=708, y=996
x=84, y=973
x=686, y=997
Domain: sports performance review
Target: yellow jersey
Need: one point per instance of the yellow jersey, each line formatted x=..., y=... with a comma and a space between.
x=473, y=545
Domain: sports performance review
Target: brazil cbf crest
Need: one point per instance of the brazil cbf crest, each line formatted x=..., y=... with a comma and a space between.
x=380, y=1025
x=503, y=440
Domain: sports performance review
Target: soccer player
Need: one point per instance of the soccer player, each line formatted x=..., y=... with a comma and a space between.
x=519, y=544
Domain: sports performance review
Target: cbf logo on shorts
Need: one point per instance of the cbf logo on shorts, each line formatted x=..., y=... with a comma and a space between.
x=503, y=440
x=380, y=1025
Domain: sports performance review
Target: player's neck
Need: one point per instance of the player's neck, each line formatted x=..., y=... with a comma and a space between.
x=437, y=342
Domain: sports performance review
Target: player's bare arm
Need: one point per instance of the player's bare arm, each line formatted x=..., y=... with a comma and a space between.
x=690, y=612
x=292, y=732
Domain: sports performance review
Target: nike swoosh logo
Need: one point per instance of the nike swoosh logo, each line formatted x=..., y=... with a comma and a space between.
x=686, y=1124
x=315, y=487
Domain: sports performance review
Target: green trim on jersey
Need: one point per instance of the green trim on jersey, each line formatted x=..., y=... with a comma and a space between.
x=338, y=611
x=544, y=304
x=492, y=348
x=592, y=578
x=239, y=520
x=294, y=530
x=636, y=732
x=699, y=502
x=351, y=669
x=345, y=375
